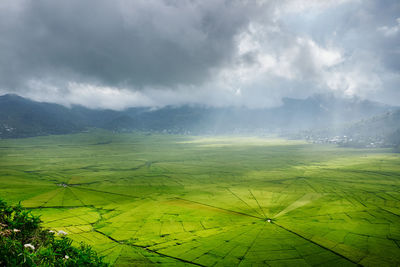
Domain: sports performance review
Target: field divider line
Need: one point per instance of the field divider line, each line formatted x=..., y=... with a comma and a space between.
x=243, y=201
x=103, y=196
x=315, y=243
x=355, y=198
x=217, y=246
x=236, y=236
x=215, y=207
x=309, y=184
x=50, y=198
x=69, y=207
x=397, y=242
x=108, y=252
x=76, y=196
x=106, y=192
x=251, y=245
x=147, y=249
x=258, y=204
x=388, y=211
x=387, y=193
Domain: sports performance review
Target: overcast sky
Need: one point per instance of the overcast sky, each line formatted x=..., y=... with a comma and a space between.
x=120, y=53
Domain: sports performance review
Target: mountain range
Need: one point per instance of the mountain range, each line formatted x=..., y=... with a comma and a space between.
x=22, y=117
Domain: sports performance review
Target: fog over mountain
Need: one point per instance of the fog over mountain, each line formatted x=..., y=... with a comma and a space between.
x=316, y=117
x=215, y=53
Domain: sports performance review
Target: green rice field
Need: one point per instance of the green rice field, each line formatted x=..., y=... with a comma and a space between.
x=210, y=201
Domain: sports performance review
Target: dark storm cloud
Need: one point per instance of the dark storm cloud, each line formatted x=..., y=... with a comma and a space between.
x=118, y=42
x=121, y=53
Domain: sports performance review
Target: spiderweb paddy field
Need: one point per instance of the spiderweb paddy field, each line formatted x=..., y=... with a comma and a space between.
x=178, y=200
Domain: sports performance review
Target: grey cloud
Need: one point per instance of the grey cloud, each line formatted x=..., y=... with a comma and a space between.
x=215, y=52
x=129, y=43
x=353, y=29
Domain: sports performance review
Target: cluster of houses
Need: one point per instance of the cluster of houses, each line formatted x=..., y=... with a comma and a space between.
x=351, y=141
x=5, y=130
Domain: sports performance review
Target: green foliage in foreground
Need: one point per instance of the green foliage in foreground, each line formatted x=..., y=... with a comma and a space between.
x=23, y=242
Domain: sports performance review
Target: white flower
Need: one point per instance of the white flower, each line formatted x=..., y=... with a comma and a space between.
x=29, y=246
x=66, y=257
x=16, y=230
x=51, y=231
x=61, y=232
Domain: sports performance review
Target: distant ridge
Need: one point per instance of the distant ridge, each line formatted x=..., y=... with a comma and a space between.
x=21, y=117
x=382, y=130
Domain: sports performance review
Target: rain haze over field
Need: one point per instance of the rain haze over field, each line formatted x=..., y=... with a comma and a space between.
x=120, y=54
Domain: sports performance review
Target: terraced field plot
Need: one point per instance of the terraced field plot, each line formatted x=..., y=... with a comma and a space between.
x=224, y=201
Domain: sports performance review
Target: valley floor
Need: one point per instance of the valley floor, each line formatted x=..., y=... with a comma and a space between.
x=210, y=201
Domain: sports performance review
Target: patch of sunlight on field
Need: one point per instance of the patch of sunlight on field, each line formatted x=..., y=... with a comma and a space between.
x=305, y=199
x=210, y=201
x=379, y=161
x=224, y=141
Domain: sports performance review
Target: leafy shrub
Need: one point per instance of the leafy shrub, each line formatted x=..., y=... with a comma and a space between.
x=23, y=242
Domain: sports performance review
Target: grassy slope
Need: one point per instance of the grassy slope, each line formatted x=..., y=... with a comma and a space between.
x=175, y=199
